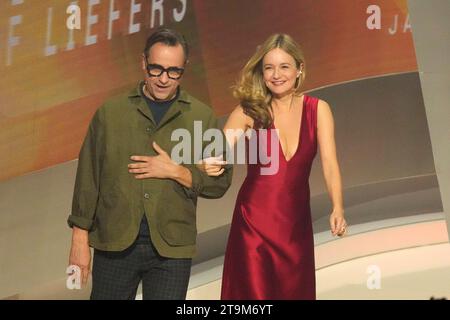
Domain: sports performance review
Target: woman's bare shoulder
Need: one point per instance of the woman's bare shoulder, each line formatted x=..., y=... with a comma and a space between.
x=322, y=104
x=238, y=116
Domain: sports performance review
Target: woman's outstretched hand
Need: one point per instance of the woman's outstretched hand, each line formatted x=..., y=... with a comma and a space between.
x=213, y=166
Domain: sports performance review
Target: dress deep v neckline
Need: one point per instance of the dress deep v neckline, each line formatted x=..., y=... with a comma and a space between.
x=299, y=134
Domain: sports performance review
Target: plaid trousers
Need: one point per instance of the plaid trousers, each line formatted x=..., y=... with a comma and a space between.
x=116, y=275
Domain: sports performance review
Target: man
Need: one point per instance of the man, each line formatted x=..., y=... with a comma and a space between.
x=132, y=203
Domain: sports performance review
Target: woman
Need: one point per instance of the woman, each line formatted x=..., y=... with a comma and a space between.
x=270, y=251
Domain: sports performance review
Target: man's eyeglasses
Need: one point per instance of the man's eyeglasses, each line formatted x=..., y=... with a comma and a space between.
x=156, y=70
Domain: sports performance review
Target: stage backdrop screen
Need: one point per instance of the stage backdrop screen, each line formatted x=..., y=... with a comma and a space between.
x=60, y=59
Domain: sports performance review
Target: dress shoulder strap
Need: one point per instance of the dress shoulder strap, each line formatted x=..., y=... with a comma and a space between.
x=311, y=111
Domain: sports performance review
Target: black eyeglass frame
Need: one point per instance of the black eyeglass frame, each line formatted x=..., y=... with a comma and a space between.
x=148, y=66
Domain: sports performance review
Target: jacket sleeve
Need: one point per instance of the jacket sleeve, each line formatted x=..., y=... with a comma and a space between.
x=206, y=186
x=86, y=190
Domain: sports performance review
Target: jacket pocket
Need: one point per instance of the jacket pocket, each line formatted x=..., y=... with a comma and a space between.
x=177, y=221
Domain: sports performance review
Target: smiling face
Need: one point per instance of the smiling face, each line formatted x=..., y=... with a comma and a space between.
x=280, y=72
x=162, y=87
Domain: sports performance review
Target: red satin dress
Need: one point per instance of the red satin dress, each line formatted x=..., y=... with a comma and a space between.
x=270, y=250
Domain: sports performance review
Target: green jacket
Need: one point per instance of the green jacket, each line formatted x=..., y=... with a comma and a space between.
x=109, y=202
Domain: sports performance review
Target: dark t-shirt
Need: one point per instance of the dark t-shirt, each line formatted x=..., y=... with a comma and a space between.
x=158, y=110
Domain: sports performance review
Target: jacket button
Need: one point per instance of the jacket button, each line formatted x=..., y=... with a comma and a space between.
x=146, y=196
x=149, y=129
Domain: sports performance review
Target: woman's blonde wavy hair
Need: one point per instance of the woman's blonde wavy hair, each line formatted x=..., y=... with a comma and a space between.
x=251, y=90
